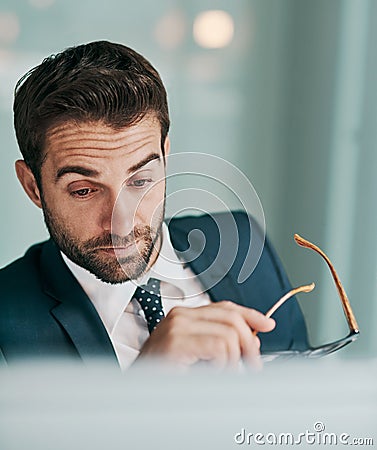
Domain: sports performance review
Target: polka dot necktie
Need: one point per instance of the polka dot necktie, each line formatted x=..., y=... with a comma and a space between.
x=149, y=297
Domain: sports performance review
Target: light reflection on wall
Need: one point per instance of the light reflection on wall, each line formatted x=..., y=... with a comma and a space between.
x=213, y=29
x=9, y=27
x=170, y=29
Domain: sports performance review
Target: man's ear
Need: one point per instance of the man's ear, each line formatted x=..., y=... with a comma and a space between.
x=27, y=179
x=167, y=146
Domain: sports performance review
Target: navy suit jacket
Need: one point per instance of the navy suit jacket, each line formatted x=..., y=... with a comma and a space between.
x=44, y=312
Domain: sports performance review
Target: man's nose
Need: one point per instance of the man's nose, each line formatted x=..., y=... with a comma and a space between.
x=120, y=215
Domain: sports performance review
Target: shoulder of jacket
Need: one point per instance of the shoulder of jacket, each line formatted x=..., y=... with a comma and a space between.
x=23, y=265
x=209, y=220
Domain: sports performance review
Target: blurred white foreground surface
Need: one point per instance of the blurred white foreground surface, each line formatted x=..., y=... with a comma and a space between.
x=58, y=406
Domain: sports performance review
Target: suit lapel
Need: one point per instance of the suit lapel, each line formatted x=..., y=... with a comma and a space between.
x=216, y=278
x=75, y=312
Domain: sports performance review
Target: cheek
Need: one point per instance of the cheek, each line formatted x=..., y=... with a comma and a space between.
x=151, y=205
x=79, y=220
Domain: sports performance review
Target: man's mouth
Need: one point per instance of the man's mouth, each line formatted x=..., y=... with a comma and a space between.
x=117, y=250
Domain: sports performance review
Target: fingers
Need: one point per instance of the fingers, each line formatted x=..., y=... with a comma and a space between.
x=219, y=340
x=255, y=319
x=215, y=350
x=229, y=312
x=247, y=322
x=234, y=323
x=220, y=333
x=214, y=340
x=230, y=323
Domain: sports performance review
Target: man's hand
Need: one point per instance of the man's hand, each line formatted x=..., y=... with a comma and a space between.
x=220, y=333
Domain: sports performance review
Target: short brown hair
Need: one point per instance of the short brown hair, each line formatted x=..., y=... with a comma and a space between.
x=99, y=81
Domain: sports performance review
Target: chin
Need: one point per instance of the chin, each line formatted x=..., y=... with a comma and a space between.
x=115, y=271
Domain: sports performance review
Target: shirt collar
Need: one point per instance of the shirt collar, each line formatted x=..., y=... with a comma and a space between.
x=168, y=267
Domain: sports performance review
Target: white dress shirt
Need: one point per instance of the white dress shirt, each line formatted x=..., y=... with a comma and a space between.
x=122, y=316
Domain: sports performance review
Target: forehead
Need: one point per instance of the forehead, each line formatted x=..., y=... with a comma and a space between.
x=91, y=141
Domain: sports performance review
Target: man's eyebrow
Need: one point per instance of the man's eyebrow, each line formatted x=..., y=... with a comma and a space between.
x=86, y=172
x=75, y=169
x=143, y=162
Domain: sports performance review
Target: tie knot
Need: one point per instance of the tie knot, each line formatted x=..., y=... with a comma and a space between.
x=149, y=297
x=152, y=286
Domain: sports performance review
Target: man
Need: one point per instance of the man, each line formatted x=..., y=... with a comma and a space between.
x=92, y=125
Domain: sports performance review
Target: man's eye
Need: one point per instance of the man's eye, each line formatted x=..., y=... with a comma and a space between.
x=140, y=183
x=82, y=192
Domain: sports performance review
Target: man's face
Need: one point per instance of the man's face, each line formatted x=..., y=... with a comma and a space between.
x=103, y=194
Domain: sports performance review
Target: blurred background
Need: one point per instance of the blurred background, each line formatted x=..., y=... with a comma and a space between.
x=283, y=89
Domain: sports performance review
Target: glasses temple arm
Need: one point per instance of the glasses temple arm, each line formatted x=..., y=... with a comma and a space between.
x=287, y=296
x=342, y=293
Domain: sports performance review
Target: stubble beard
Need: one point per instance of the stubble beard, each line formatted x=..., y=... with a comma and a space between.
x=108, y=268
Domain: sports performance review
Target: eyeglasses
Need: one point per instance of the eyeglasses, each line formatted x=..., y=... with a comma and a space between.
x=317, y=352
